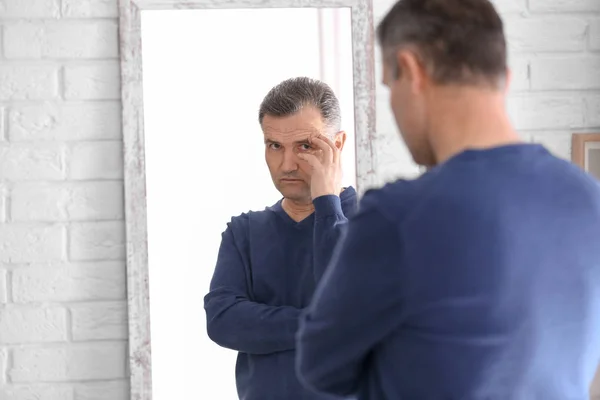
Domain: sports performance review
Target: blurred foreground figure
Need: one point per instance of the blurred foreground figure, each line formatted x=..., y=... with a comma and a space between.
x=481, y=278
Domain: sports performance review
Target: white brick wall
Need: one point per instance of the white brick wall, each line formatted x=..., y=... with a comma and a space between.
x=63, y=330
x=63, y=325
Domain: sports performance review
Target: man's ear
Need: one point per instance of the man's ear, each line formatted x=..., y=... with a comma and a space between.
x=340, y=140
x=412, y=68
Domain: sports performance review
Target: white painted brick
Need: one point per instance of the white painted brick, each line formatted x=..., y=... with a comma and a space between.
x=564, y=5
x=29, y=9
x=101, y=80
x=32, y=325
x=28, y=82
x=90, y=8
x=547, y=34
x=3, y=287
x=592, y=115
x=503, y=7
x=37, y=392
x=594, y=34
x=99, y=321
x=546, y=111
x=519, y=74
x=384, y=116
x=3, y=128
x=60, y=39
x=392, y=158
x=381, y=8
x=572, y=73
x=20, y=243
x=97, y=241
x=3, y=368
x=96, y=160
x=116, y=390
x=558, y=144
x=67, y=201
x=25, y=161
x=69, y=282
x=379, y=87
x=3, y=204
x=508, y=7
x=98, y=361
x=64, y=121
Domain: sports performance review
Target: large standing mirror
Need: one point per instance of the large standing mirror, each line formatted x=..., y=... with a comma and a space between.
x=194, y=76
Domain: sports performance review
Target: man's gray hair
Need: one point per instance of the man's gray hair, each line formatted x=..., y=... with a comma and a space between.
x=459, y=41
x=291, y=95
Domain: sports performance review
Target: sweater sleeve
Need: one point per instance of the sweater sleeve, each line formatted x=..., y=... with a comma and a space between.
x=356, y=305
x=236, y=322
x=329, y=228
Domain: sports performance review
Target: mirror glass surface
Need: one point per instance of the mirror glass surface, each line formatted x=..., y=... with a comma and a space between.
x=205, y=73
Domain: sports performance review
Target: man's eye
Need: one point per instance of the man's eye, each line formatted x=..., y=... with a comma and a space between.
x=305, y=146
x=275, y=146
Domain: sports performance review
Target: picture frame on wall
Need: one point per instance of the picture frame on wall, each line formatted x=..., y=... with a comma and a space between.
x=585, y=152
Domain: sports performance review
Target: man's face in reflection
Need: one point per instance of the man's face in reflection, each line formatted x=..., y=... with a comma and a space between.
x=285, y=138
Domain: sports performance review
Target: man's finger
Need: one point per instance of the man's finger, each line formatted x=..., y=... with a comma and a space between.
x=335, y=151
x=320, y=141
x=311, y=159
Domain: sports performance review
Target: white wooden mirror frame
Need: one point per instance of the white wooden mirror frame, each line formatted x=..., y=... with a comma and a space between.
x=140, y=363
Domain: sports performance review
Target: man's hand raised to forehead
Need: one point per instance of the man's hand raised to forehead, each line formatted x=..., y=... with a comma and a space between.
x=325, y=163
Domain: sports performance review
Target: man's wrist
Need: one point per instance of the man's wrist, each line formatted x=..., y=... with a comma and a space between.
x=327, y=205
x=325, y=193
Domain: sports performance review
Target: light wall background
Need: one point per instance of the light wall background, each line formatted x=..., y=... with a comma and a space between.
x=63, y=330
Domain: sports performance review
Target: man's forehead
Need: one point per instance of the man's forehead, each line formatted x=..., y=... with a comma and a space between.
x=290, y=129
x=298, y=135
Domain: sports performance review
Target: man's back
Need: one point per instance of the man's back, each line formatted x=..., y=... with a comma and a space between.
x=501, y=279
x=478, y=281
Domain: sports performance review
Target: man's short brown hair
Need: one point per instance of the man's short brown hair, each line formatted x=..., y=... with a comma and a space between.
x=458, y=41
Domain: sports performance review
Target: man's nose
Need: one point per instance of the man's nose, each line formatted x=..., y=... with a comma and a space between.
x=290, y=161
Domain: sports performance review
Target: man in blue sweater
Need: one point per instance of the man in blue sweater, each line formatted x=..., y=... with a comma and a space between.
x=270, y=261
x=480, y=280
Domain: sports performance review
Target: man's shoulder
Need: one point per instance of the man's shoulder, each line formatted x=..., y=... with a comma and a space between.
x=243, y=219
x=403, y=198
x=395, y=199
x=239, y=220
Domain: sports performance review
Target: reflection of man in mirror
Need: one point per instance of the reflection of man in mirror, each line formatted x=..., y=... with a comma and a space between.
x=270, y=261
x=480, y=279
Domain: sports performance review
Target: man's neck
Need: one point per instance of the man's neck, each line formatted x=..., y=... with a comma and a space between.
x=297, y=210
x=469, y=119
